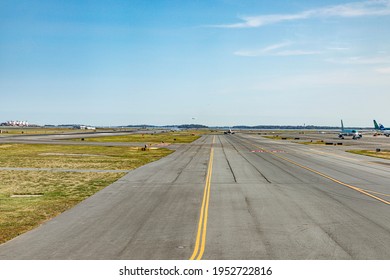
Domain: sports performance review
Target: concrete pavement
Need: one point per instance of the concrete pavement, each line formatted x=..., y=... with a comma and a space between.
x=267, y=200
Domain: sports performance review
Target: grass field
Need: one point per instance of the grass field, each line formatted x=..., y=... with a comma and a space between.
x=313, y=142
x=28, y=198
x=76, y=157
x=36, y=130
x=278, y=137
x=9, y=131
x=151, y=138
x=381, y=154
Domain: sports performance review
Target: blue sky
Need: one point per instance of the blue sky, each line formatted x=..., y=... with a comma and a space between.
x=214, y=62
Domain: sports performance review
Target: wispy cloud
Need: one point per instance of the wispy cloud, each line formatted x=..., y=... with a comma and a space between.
x=385, y=70
x=257, y=21
x=338, y=49
x=276, y=50
x=361, y=60
x=297, y=52
x=354, y=9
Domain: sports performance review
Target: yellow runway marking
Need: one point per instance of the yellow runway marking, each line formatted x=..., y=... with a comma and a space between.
x=333, y=154
x=370, y=191
x=200, y=243
x=336, y=181
x=362, y=191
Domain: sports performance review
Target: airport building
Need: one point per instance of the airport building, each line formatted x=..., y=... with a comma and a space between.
x=16, y=123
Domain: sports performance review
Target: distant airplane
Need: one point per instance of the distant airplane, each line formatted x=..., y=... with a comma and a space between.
x=229, y=132
x=349, y=132
x=381, y=129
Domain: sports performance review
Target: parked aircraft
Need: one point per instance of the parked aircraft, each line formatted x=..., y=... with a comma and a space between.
x=349, y=132
x=381, y=129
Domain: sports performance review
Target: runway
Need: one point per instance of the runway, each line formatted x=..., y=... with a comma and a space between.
x=236, y=196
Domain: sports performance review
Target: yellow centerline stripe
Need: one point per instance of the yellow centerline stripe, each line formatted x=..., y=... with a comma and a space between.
x=196, y=249
x=200, y=243
x=336, y=181
x=333, y=154
x=384, y=194
x=326, y=176
x=206, y=211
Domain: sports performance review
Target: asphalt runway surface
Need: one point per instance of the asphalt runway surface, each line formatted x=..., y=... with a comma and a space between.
x=237, y=197
x=57, y=139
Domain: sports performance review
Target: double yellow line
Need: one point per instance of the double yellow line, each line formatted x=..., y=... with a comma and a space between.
x=200, y=243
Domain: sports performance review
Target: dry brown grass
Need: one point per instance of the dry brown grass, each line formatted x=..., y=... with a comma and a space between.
x=76, y=157
x=152, y=138
x=57, y=191
x=382, y=154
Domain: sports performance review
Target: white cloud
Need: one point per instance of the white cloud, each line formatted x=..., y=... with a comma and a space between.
x=264, y=51
x=322, y=81
x=385, y=70
x=338, y=49
x=275, y=50
x=257, y=21
x=355, y=9
x=275, y=47
x=296, y=52
x=359, y=60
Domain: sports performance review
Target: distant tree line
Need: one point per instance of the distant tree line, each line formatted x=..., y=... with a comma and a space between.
x=285, y=127
x=182, y=126
x=192, y=126
x=291, y=127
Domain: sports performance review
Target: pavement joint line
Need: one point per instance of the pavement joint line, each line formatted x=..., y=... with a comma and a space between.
x=362, y=191
x=200, y=242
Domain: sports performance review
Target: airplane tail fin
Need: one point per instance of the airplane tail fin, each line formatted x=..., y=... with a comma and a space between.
x=342, y=125
x=376, y=125
x=379, y=126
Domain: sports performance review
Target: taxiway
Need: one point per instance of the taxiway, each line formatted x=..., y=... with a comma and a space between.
x=238, y=196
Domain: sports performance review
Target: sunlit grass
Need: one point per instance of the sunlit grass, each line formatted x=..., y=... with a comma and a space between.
x=76, y=156
x=151, y=138
x=36, y=130
x=28, y=198
x=54, y=193
x=315, y=142
x=382, y=154
x=278, y=137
